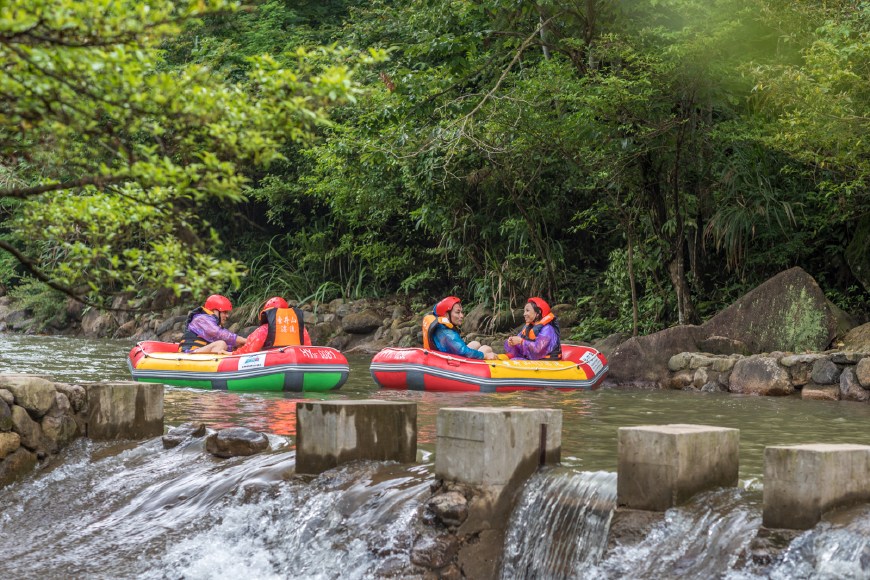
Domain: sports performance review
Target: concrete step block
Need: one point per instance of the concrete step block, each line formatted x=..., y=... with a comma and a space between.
x=496, y=446
x=802, y=482
x=124, y=410
x=329, y=433
x=661, y=466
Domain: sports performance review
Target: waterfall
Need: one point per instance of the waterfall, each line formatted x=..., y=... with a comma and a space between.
x=560, y=524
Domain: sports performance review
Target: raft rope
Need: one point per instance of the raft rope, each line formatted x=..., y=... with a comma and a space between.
x=494, y=365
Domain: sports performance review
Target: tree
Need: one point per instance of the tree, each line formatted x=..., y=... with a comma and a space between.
x=108, y=153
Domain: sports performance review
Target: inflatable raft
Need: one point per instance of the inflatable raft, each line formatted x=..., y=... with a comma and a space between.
x=420, y=369
x=289, y=368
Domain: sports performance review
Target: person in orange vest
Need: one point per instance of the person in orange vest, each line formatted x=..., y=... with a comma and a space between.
x=204, y=330
x=441, y=331
x=271, y=330
x=540, y=338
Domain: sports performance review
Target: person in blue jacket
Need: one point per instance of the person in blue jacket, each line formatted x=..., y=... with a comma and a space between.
x=441, y=331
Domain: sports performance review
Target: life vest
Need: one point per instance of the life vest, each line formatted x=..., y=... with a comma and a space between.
x=286, y=327
x=191, y=340
x=531, y=331
x=430, y=325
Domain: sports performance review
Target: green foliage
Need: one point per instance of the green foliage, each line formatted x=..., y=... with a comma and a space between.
x=503, y=150
x=129, y=149
x=47, y=305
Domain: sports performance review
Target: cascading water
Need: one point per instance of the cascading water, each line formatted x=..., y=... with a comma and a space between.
x=560, y=524
x=146, y=512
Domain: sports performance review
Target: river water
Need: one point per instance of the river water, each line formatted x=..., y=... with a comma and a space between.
x=135, y=510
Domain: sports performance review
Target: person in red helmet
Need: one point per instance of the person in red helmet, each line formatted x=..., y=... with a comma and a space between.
x=540, y=338
x=204, y=330
x=440, y=331
x=272, y=322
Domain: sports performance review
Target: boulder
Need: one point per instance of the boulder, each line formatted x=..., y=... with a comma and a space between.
x=608, y=344
x=788, y=312
x=566, y=313
x=6, y=396
x=364, y=322
x=27, y=428
x=643, y=360
x=723, y=345
x=760, y=375
x=509, y=321
x=451, y=508
x=847, y=357
x=58, y=431
x=862, y=372
x=434, y=553
x=680, y=380
x=477, y=319
x=850, y=389
x=177, y=435
x=16, y=465
x=236, y=442
x=825, y=372
x=813, y=392
x=9, y=442
x=34, y=393
x=857, y=339
x=76, y=395
x=98, y=324
x=126, y=330
x=5, y=416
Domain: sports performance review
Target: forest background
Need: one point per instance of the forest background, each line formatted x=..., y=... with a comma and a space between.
x=648, y=161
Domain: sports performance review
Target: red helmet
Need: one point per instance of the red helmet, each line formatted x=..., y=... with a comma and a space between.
x=218, y=302
x=541, y=304
x=274, y=302
x=443, y=307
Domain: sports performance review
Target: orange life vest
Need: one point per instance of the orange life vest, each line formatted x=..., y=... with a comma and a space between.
x=286, y=327
x=430, y=324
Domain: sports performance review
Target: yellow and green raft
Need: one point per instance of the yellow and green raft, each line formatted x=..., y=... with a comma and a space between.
x=289, y=368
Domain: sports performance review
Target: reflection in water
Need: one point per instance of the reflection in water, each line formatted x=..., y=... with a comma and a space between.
x=589, y=419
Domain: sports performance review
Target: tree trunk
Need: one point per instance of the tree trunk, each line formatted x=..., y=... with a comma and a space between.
x=677, y=272
x=632, y=282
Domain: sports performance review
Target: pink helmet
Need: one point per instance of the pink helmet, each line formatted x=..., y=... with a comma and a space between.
x=218, y=302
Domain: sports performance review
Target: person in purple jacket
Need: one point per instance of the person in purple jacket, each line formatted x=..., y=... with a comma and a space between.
x=540, y=338
x=204, y=330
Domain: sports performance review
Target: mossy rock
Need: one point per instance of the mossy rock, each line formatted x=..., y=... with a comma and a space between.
x=788, y=313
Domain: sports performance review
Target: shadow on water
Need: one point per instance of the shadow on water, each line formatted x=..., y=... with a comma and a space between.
x=137, y=510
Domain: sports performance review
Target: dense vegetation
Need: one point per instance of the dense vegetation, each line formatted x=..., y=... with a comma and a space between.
x=648, y=160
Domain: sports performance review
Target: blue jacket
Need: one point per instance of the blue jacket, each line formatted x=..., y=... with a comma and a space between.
x=448, y=340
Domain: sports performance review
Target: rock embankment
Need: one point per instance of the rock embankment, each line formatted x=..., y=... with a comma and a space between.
x=830, y=375
x=365, y=325
x=37, y=419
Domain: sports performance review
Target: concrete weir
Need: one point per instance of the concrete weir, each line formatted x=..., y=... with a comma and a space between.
x=661, y=466
x=495, y=446
x=329, y=433
x=124, y=410
x=802, y=482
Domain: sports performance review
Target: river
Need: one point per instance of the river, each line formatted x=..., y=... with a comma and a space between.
x=138, y=511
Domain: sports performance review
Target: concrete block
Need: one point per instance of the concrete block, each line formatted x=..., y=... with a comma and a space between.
x=124, y=410
x=329, y=433
x=802, y=482
x=488, y=446
x=661, y=466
